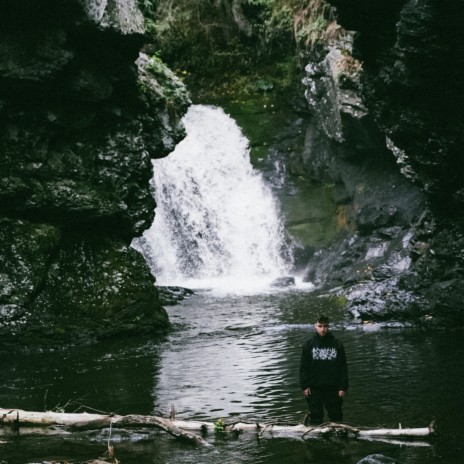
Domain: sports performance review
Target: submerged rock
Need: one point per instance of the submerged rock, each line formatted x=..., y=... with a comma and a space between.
x=171, y=295
x=377, y=459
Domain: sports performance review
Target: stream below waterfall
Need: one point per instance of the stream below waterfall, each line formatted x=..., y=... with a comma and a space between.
x=230, y=356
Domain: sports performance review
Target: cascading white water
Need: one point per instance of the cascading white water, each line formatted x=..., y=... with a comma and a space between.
x=217, y=223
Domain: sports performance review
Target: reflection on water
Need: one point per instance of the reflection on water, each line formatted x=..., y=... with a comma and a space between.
x=238, y=356
x=109, y=377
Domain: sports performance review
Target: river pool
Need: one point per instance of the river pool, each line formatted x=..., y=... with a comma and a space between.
x=237, y=356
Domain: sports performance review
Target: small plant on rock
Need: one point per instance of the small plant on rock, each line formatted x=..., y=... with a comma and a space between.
x=219, y=426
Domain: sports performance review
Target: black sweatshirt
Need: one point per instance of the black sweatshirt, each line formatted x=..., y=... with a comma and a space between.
x=323, y=363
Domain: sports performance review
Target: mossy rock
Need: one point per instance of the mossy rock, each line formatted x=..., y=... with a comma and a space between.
x=99, y=287
x=25, y=250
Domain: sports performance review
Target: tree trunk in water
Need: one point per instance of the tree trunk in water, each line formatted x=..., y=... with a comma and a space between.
x=185, y=430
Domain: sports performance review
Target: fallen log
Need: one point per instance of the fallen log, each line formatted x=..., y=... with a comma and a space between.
x=190, y=430
x=303, y=431
x=84, y=421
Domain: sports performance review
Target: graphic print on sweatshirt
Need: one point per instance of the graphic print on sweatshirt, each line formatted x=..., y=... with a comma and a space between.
x=324, y=354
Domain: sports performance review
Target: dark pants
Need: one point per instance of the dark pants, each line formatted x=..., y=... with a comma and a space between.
x=325, y=397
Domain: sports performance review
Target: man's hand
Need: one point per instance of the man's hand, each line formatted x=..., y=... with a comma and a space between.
x=341, y=393
x=307, y=392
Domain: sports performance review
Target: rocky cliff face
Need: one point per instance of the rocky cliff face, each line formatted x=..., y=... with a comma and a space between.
x=386, y=129
x=412, y=84
x=82, y=112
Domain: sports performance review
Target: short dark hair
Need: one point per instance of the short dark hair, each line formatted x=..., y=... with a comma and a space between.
x=322, y=319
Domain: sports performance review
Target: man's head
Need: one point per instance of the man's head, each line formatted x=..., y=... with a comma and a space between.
x=322, y=325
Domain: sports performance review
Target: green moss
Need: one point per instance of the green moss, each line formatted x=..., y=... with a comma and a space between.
x=99, y=287
x=25, y=248
x=161, y=82
x=148, y=9
x=258, y=100
x=311, y=215
x=209, y=38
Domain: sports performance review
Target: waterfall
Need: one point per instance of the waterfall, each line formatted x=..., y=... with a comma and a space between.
x=217, y=223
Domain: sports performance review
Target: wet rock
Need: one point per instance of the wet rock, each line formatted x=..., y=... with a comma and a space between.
x=368, y=271
x=437, y=270
x=352, y=153
x=120, y=16
x=409, y=54
x=90, y=85
x=382, y=301
x=171, y=295
x=35, y=57
x=283, y=282
x=25, y=250
x=101, y=287
x=373, y=217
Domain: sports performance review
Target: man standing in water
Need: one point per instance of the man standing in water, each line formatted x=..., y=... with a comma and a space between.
x=323, y=374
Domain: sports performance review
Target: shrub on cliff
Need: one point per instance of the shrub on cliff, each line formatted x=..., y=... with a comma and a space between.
x=206, y=36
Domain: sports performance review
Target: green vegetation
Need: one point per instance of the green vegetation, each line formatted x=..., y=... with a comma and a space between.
x=349, y=69
x=148, y=8
x=219, y=426
x=314, y=23
x=238, y=42
x=157, y=82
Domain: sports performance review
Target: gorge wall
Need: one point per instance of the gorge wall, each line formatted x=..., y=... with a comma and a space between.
x=82, y=113
x=386, y=128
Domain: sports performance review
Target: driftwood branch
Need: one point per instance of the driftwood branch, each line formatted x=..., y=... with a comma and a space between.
x=84, y=421
x=303, y=431
x=190, y=430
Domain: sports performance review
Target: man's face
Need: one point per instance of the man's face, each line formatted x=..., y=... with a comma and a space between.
x=321, y=328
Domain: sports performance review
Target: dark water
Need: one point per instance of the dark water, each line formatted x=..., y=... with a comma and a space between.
x=238, y=356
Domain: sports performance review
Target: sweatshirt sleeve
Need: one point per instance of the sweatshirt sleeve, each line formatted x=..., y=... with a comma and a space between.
x=343, y=368
x=305, y=366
